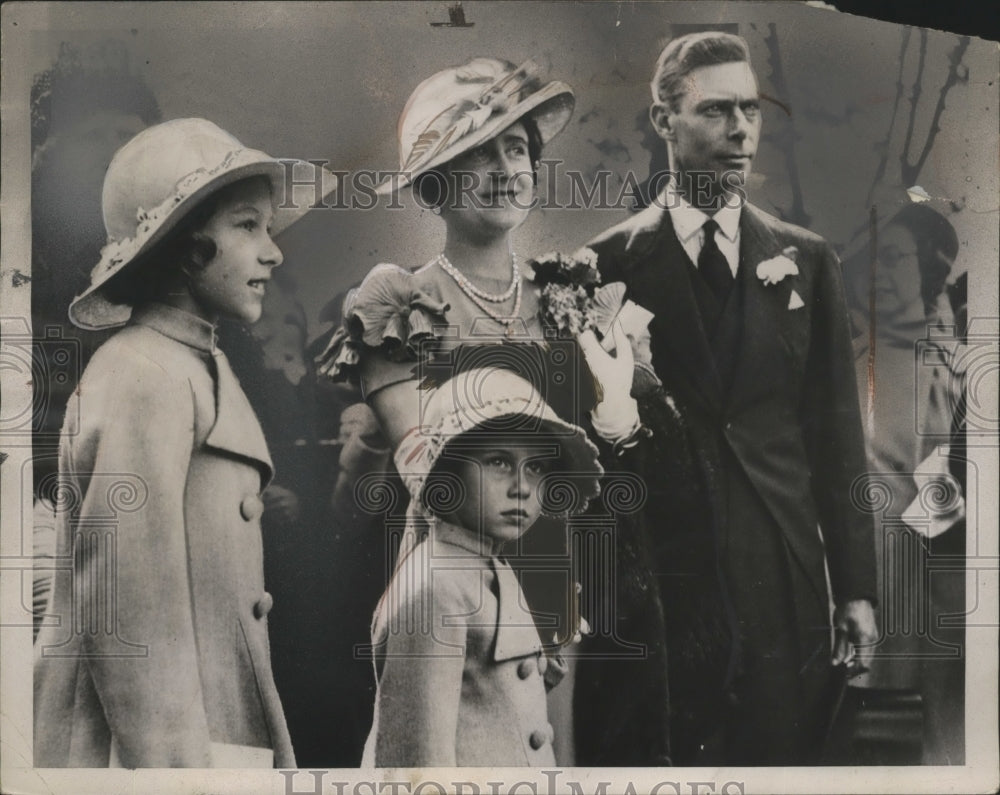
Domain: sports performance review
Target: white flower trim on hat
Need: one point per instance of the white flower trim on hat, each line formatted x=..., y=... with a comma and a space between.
x=148, y=222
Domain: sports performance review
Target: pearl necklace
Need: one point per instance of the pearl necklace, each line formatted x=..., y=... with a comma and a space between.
x=481, y=297
x=470, y=289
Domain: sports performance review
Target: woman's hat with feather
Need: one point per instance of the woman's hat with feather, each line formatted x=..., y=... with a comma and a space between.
x=461, y=107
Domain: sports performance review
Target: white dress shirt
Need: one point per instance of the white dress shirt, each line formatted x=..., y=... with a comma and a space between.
x=688, y=222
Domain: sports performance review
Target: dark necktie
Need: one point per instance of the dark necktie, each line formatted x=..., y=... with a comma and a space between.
x=713, y=265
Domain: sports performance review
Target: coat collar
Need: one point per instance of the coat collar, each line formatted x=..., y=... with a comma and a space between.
x=236, y=428
x=677, y=322
x=764, y=307
x=177, y=325
x=453, y=535
x=517, y=634
x=651, y=234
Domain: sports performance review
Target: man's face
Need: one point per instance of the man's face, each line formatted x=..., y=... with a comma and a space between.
x=716, y=126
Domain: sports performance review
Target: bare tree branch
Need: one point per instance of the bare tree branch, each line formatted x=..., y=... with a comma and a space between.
x=884, y=160
x=955, y=75
x=797, y=214
x=914, y=100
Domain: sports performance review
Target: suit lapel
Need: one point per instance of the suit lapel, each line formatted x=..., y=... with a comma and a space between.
x=763, y=308
x=678, y=324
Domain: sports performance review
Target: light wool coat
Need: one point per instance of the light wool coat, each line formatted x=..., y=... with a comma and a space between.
x=459, y=662
x=158, y=653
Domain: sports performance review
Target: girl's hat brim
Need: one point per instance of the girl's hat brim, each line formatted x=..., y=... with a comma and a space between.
x=503, y=403
x=93, y=310
x=551, y=108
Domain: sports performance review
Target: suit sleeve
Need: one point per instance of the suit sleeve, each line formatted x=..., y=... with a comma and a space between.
x=152, y=700
x=420, y=688
x=833, y=433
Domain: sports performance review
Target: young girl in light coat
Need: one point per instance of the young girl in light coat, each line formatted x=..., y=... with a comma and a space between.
x=159, y=656
x=458, y=657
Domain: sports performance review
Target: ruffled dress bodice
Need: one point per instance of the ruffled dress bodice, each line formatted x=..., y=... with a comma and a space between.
x=402, y=325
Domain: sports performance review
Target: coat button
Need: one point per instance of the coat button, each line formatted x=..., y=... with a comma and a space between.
x=543, y=664
x=252, y=507
x=263, y=605
x=539, y=737
x=525, y=667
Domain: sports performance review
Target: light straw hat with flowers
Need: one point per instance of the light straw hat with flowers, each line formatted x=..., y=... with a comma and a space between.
x=498, y=400
x=461, y=107
x=156, y=179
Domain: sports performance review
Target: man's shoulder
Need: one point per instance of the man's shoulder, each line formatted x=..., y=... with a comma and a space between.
x=785, y=232
x=631, y=237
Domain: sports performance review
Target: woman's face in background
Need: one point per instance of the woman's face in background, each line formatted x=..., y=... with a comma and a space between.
x=490, y=188
x=897, y=275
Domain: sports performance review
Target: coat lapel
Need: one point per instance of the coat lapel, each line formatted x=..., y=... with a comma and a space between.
x=667, y=292
x=517, y=635
x=763, y=308
x=236, y=429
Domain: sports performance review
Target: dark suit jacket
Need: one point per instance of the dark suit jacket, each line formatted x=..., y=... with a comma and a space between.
x=789, y=416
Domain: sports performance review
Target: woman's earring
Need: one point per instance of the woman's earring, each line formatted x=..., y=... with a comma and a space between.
x=436, y=209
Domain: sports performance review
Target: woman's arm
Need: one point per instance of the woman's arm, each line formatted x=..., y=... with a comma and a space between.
x=398, y=408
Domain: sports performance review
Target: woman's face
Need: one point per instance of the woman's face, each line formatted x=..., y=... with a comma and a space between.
x=490, y=188
x=897, y=274
x=233, y=283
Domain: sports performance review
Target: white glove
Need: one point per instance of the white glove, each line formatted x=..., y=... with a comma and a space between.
x=616, y=417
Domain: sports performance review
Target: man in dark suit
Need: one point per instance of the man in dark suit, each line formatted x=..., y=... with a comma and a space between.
x=750, y=337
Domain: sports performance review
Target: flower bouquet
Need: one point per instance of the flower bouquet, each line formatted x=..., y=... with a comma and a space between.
x=567, y=285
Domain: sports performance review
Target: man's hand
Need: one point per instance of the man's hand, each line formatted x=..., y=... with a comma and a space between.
x=856, y=632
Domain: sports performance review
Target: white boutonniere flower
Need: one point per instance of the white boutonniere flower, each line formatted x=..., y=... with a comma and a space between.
x=772, y=271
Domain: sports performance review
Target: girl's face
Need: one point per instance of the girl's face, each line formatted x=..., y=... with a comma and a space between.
x=502, y=490
x=491, y=187
x=234, y=281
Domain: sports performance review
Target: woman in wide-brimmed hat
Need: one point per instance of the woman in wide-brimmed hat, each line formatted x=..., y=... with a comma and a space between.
x=160, y=657
x=470, y=142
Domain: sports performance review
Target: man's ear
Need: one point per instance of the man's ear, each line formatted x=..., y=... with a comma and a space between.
x=659, y=115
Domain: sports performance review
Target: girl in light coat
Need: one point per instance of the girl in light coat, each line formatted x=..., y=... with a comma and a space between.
x=459, y=660
x=159, y=656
